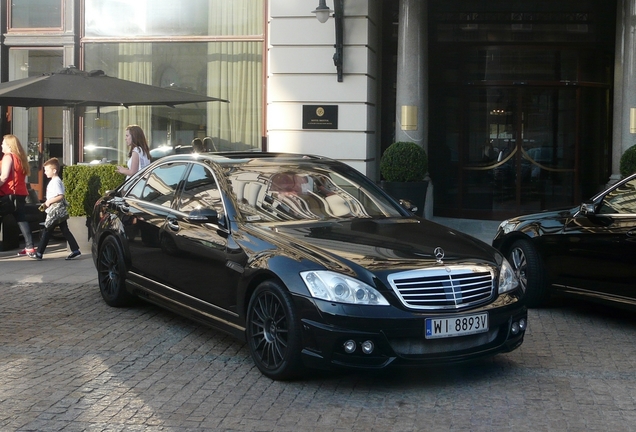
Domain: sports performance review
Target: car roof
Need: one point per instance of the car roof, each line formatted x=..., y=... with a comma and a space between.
x=233, y=158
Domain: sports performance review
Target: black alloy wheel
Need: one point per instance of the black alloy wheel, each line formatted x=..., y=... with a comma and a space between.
x=111, y=274
x=528, y=266
x=273, y=332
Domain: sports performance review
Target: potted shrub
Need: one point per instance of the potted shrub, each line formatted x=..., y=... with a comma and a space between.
x=404, y=166
x=84, y=185
x=628, y=161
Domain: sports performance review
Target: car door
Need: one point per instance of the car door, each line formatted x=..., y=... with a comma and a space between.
x=206, y=264
x=599, y=247
x=146, y=209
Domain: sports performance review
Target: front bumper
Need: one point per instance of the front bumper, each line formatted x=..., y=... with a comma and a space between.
x=400, y=339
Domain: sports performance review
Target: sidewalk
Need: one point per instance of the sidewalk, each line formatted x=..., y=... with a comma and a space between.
x=53, y=268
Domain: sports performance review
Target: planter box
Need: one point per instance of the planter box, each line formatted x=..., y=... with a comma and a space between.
x=79, y=227
x=415, y=192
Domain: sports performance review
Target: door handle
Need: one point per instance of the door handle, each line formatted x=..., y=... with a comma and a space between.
x=172, y=224
x=631, y=232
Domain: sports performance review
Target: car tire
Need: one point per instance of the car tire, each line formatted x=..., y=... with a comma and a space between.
x=528, y=267
x=111, y=274
x=273, y=332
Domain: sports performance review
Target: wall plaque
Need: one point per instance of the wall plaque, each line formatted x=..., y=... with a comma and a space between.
x=320, y=116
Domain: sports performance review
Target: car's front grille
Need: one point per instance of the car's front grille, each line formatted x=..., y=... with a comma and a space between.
x=448, y=287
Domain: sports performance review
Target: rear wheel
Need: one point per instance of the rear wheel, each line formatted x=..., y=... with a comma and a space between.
x=528, y=267
x=111, y=274
x=273, y=332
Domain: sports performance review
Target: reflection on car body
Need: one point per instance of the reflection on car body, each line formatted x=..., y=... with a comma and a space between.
x=586, y=251
x=307, y=260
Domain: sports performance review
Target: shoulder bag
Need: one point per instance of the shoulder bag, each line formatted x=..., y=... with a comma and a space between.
x=7, y=204
x=56, y=213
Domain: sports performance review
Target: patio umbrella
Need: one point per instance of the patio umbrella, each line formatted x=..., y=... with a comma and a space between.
x=71, y=87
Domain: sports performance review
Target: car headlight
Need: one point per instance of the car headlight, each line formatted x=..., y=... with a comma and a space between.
x=336, y=287
x=507, y=278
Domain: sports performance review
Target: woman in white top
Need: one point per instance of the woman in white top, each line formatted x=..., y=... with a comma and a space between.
x=138, y=151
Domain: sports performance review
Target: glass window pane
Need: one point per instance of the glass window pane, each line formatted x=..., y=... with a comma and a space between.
x=128, y=18
x=162, y=184
x=229, y=70
x=24, y=63
x=200, y=191
x=36, y=14
x=621, y=200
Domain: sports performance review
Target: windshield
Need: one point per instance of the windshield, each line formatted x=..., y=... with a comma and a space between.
x=311, y=191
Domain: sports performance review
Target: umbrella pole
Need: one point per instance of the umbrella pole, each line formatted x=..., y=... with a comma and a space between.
x=68, y=127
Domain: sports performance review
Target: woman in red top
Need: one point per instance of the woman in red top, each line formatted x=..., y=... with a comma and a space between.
x=13, y=173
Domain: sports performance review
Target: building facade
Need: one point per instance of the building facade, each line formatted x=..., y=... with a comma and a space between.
x=520, y=105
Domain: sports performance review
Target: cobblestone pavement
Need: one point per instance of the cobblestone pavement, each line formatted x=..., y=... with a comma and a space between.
x=69, y=362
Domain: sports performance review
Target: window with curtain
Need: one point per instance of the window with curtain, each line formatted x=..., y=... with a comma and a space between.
x=130, y=18
x=229, y=66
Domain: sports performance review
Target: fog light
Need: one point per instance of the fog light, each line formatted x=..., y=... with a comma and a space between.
x=367, y=347
x=514, y=328
x=522, y=324
x=349, y=346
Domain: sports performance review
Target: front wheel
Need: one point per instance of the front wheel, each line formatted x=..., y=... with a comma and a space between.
x=528, y=267
x=111, y=274
x=273, y=332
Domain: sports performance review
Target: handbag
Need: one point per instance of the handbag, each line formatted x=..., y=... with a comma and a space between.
x=56, y=214
x=7, y=204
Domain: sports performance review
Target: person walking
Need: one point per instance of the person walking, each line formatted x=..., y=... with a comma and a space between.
x=138, y=151
x=55, y=196
x=14, y=171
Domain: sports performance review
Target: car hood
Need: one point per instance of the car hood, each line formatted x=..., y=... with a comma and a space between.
x=379, y=244
x=537, y=224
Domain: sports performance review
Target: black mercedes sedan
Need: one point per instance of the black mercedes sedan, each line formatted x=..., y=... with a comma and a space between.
x=588, y=251
x=305, y=259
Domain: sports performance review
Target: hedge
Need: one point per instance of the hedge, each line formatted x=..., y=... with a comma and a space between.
x=628, y=161
x=85, y=184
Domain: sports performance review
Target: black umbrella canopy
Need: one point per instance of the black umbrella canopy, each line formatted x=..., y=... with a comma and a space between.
x=72, y=87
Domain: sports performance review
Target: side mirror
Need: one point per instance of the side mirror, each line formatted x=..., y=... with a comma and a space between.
x=587, y=208
x=408, y=205
x=204, y=215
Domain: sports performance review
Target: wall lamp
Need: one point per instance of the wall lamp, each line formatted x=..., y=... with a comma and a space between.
x=322, y=14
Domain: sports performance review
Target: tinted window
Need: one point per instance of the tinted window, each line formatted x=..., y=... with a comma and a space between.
x=200, y=191
x=620, y=200
x=161, y=185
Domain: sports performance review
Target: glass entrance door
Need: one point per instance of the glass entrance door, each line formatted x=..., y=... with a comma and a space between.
x=518, y=154
x=38, y=129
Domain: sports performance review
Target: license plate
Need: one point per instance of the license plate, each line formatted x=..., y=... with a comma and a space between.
x=456, y=326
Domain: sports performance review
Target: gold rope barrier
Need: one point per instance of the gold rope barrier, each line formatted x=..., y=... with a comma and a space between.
x=525, y=155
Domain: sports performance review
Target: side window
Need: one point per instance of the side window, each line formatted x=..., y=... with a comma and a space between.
x=200, y=191
x=162, y=184
x=621, y=200
x=137, y=189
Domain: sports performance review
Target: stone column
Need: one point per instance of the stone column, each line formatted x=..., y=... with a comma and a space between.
x=624, y=82
x=412, y=74
x=412, y=81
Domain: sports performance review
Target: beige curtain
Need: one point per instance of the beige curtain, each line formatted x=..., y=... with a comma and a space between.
x=135, y=64
x=235, y=72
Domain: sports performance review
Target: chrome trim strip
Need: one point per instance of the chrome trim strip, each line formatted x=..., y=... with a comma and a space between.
x=213, y=317
x=580, y=292
x=451, y=287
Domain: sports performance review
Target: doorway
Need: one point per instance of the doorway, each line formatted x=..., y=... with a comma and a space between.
x=519, y=106
x=519, y=151
x=39, y=129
